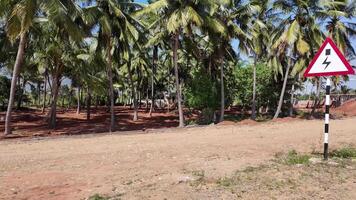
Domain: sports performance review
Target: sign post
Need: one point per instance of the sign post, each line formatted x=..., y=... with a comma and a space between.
x=327, y=118
x=328, y=62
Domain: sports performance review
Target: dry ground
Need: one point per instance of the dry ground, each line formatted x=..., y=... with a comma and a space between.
x=178, y=164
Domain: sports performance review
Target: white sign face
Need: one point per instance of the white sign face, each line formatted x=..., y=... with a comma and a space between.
x=329, y=61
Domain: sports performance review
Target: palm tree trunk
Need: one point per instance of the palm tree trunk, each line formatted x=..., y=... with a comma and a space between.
x=81, y=98
x=155, y=58
x=22, y=90
x=53, y=112
x=147, y=94
x=63, y=99
x=179, y=95
x=166, y=100
x=133, y=92
x=44, y=93
x=222, y=86
x=317, y=87
x=124, y=97
x=139, y=93
x=253, y=108
x=18, y=63
x=316, y=101
x=38, y=104
x=88, y=103
x=160, y=102
x=107, y=103
x=280, y=103
x=152, y=96
x=69, y=105
x=96, y=102
x=78, y=100
x=222, y=100
x=291, y=108
x=111, y=88
x=2, y=105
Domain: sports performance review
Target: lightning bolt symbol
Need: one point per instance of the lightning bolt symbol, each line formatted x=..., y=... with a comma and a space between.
x=326, y=62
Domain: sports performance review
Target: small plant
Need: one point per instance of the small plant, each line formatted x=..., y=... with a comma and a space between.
x=263, y=118
x=200, y=174
x=200, y=178
x=191, y=122
x=206, y=117
x=97, y=197
x=293, y=158
x=226, y=182
x=346, y=152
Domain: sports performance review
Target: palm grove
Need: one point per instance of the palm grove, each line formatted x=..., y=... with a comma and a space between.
x=118, y=52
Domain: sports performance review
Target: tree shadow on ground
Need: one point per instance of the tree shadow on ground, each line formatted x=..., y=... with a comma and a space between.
x=33, y=123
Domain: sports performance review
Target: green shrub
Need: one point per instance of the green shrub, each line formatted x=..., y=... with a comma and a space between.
x=200, y=178
x=98, y=197
x=266, y=89
x=226, y=182
x=5, y=84
x=346, y=152
x=293, y=158
x=201, y=91
x=206, y=116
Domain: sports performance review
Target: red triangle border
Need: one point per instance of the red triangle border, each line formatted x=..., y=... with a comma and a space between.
x=338, y=52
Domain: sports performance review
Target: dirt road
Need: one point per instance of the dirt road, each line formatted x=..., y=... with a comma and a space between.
x=155, y=165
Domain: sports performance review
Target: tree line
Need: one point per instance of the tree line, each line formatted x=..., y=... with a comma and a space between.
x=121, y=52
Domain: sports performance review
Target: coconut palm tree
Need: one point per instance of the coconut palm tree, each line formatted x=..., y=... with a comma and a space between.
x=134, y=68
x=140, y=65
x=20, y=17
x=115, y=24
x=178, y=16
x=235, y=24
x=294, y=41
x=133, y=58
x=90, y=66
x=336, y=13
x=157, y=39
x=154, y=68
x=261, y=23
x=344, y=89
x=55, y=48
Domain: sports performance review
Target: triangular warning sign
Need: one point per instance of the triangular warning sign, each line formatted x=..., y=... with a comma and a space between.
x=329, y=61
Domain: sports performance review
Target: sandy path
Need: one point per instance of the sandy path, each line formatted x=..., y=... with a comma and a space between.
x=151, y=166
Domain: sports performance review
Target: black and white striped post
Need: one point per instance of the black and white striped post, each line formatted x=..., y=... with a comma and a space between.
x=327, y=118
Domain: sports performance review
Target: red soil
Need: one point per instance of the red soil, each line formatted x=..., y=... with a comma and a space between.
x=286, y=119
x=248, y=122
x=33, y=123
x=347, y=109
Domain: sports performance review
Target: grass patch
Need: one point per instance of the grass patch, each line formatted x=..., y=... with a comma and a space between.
x=191, y=122
x=307, y=115
x=345, y=152
x=294, y=158
x=235, y=117
x=104, y=197
x=98, y=197
x=283, y=176
x=200, y=178
x=226, y=182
